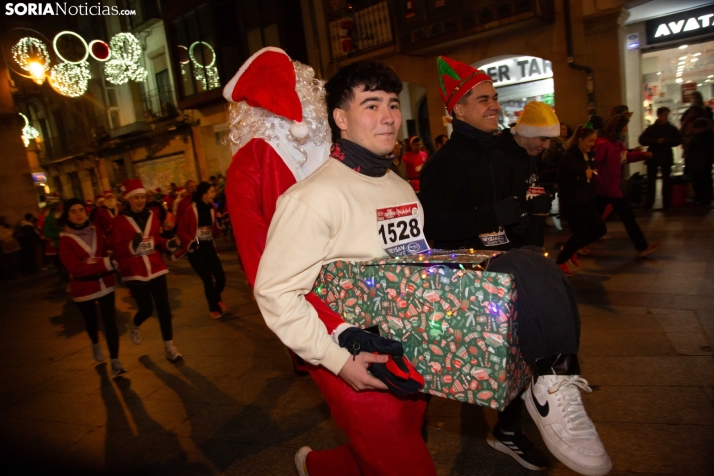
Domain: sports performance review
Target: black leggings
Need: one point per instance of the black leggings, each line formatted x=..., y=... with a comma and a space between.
x=207, y=264
x=148, y=293
x=89, y=312
x=586, y=225
x=622, y=207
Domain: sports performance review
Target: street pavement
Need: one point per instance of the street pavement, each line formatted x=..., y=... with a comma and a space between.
x=234, y=406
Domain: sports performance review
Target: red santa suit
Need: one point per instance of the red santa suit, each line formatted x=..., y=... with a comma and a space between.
x=104, y=219
x=147, y=264
x=415, y=162
x=261, y=170
x=84, y=262
x=183, y=205
x=188, y=229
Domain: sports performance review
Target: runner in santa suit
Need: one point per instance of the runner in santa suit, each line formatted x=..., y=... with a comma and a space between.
x=83, y=252
x=103, y=216
x=136, y=242
x=196, y=231
x=266, y=126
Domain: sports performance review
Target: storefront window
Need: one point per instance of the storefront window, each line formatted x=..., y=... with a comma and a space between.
x=519, y=80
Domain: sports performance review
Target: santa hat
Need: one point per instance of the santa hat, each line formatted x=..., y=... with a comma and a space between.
x=157, y=190
x=456, y=79
x=99, y=197
x=267, y=79
x=106, y=193
x=133, y=187
x=537, y=120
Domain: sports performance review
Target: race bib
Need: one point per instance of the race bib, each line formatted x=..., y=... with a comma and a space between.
x=399, y=230
x=204, y=233
x=534, y=192
x=494, y=239
x=146, y=247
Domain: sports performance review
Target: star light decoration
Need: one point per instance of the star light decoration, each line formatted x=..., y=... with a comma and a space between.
x=32, y=56
x=124, y=62
x=28, y=132
x=207, y=75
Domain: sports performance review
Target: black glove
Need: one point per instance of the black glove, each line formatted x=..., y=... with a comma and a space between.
x=540, y=205
x=357, y=340
x=399, y=375
x=508, y=211
x=193, y=246
x=171, y=245
x=137, y=241
x=522, y=225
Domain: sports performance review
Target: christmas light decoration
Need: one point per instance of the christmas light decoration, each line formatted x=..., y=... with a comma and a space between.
x=59, y=55
x=99, y=50
x=32, y=56
x=205, y=74
x=70, y=79
x=124, y=63
x=28, y=132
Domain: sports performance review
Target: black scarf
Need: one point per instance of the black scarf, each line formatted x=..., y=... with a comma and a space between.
x=360, y=159
x=78, y=227
x=140, y=218
x=486, y=140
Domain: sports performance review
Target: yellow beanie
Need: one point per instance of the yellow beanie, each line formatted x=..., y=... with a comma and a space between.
x=537, y=120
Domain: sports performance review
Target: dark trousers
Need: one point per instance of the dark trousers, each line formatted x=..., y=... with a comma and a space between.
x=702, y=184
x=586, y=226
x=106, y=307
x=207, y=264
x=148, y=293
x=652, y=185
x=623, y=208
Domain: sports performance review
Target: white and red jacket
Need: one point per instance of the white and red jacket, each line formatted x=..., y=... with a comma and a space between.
x=90, y=269
x=145, y=263
x=104, y=219
x=188, y=229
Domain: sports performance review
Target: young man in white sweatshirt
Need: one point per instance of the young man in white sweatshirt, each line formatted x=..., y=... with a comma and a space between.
x=332, y=216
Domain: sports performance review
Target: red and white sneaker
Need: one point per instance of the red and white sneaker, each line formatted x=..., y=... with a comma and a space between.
x=648, y=250
x=222, y=305
x=566, y=269
x=215, y=315
x=574, y=260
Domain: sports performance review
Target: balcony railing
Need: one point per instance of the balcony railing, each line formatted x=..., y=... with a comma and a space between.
x=356, y=32
x=159, y=104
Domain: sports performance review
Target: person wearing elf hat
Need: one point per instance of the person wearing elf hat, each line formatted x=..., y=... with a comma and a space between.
x=103, y=216
x=465, y=195
x=279, y=140
x=520, y=145
x=136, y=241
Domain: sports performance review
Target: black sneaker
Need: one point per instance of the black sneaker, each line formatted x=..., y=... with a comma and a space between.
x=517, y=446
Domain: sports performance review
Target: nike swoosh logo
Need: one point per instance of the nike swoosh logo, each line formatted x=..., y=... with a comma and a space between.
x=542, y=409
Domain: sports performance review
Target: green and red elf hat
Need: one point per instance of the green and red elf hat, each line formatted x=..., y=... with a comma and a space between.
x=456, y=79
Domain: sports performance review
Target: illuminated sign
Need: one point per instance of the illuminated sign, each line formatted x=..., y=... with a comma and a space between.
x=679, y=26
x=517, y=70
x=39, y=178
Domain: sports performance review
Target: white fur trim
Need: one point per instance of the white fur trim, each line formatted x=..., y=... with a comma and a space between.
x=136, y=191
x=299, y=130
x=524, y=130
x=338, y=330
x=228, y=90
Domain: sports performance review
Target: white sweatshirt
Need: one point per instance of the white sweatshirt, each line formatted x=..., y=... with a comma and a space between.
x=330, y=216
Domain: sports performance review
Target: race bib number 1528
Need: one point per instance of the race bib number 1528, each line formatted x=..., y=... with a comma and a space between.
x=400, y=230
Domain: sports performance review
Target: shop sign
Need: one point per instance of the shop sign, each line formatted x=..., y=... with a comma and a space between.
x=518, y=70
x=687, y=90
x=39, y=178
x=679, y=26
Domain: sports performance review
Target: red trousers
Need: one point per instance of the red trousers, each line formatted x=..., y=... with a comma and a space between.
x=384, y=432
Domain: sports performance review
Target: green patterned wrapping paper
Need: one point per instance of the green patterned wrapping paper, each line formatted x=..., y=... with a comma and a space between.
x=458, y=325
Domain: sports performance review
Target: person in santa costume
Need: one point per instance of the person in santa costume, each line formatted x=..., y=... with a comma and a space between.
x=136, y=242
x=283, y=138
x=196, y=230
x=84, y=253
x=103, y=217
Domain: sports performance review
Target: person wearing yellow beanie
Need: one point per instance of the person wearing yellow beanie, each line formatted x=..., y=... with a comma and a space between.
x=520, y=146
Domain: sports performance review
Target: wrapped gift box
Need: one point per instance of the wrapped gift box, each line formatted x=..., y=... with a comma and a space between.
x=457, y=322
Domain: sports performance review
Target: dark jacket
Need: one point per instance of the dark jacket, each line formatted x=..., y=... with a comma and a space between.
x=661, y=153
x=520, y=173
x=700, y=151
x=574, y=191
x=459, y=185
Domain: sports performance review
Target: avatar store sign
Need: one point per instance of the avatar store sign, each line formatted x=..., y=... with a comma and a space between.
x=680, y=26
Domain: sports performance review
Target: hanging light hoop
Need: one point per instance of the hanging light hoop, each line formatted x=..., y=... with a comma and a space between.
x=27, y=123
x=25, y=31
x=183, y=62
x=193, y=59
x=91, y=52
x=67, y=32
x=21, y=56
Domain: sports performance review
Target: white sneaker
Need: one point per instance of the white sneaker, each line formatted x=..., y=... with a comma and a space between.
x=97, y=351
x=117, y=368
x=301, y=460
x=172, y=355
x=555, y=404
x=135, y=334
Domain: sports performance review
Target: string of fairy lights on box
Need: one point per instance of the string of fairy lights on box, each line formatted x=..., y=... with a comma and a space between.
x=71, y=78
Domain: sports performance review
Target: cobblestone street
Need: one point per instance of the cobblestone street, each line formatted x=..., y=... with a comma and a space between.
x=233, y=406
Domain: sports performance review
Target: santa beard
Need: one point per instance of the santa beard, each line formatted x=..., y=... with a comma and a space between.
x=110, y=203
